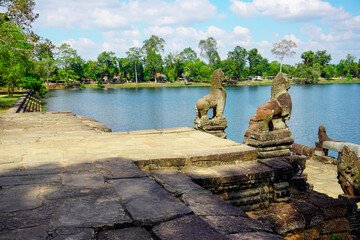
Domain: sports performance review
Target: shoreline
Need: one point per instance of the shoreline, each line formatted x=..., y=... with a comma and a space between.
x=204, y=84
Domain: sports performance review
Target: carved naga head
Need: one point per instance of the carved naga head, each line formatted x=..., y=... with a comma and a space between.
x=218, y=79
x=279, y=85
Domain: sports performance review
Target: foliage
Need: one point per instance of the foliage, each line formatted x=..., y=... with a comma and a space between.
x=254, y=59
x=308, y=74
x=154, y=63
x=69, y=63
x=209, y=50
x=46, y=65
x=14, y=21
x=322, y=58
x=174, y=66
x=134, y=54
x=153, y=44
x=329, y=71
x=205, y=72
x=92, y=70
x=308, y=58
x=282, y=49
x=273, y=68
x=237, y=61
x=21, y=12
x=12, y=36
x=14, y=65
x=188, y=55
x=108, y=64
x=100, y=84
x=35, y=84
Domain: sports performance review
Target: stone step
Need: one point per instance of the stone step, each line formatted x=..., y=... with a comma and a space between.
x=220, y=215
x=250, y=172
x=248, y=185
x=197, y=157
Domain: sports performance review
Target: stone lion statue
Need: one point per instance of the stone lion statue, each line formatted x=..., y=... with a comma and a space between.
x=348, y=165
x=215, y=99
x=272, y=114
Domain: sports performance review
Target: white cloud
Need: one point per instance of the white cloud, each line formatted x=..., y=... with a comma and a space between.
x=292, y=37
x=264, y=44
x=284, y=10
x=316, y=34
x=159, y=31
x=112, y=14
x=340, y=30
x=239, y=30
x=244, y=9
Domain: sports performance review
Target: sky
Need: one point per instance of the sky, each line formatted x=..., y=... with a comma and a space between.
x=93, y=26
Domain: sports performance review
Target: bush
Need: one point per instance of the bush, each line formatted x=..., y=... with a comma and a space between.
x=34, y=84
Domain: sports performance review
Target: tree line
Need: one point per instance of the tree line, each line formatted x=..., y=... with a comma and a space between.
x=28, y=60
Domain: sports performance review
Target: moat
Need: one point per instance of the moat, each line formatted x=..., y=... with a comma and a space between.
x=335, y=106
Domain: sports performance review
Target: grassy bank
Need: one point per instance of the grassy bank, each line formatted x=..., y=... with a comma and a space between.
x=150, y=85
x=207, y=84
x=6, y=102
x=338, y=80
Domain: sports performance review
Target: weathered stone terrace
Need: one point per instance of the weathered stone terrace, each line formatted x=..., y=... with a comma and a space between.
x=64, y=176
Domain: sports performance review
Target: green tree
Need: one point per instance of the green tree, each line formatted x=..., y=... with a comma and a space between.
x=14, y=66
x=153, y=44
x=21, y=12
x=16, y=18
x=152, y=48
x=282, y=49
x=238, y=58
x=34, y=83
x=209, y=50
x=350, y=64
x=154, y=63
x=134, y=54
x=44, y=48
x=308, y=74
x=262, y=67
x=273, y=68
x=205, y=72
x=92, y=70
x=126, y=68
x=174, y=65
x=108, y=63
x=322, y=58
x=13, y=37
x=187, y=72
x=47, y=68
x=254, y=59
x=308, y=58
x=329, y=71
x=68, y=62
x=188, y=55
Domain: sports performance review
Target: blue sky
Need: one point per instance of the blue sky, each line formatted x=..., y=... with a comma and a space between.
x=91, y=26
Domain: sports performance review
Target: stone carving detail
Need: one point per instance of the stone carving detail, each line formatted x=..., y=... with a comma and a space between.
x=272, y=114
x=267, y=131
x=348, y=165
x=215, y=100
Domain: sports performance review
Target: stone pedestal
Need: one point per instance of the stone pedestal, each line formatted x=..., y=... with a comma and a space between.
x=271, y=143
x=214, y=126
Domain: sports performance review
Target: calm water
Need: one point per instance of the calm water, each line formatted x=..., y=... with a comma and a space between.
x=335, y=106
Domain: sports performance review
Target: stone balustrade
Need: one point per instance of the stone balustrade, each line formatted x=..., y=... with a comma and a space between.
x=28, y=102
